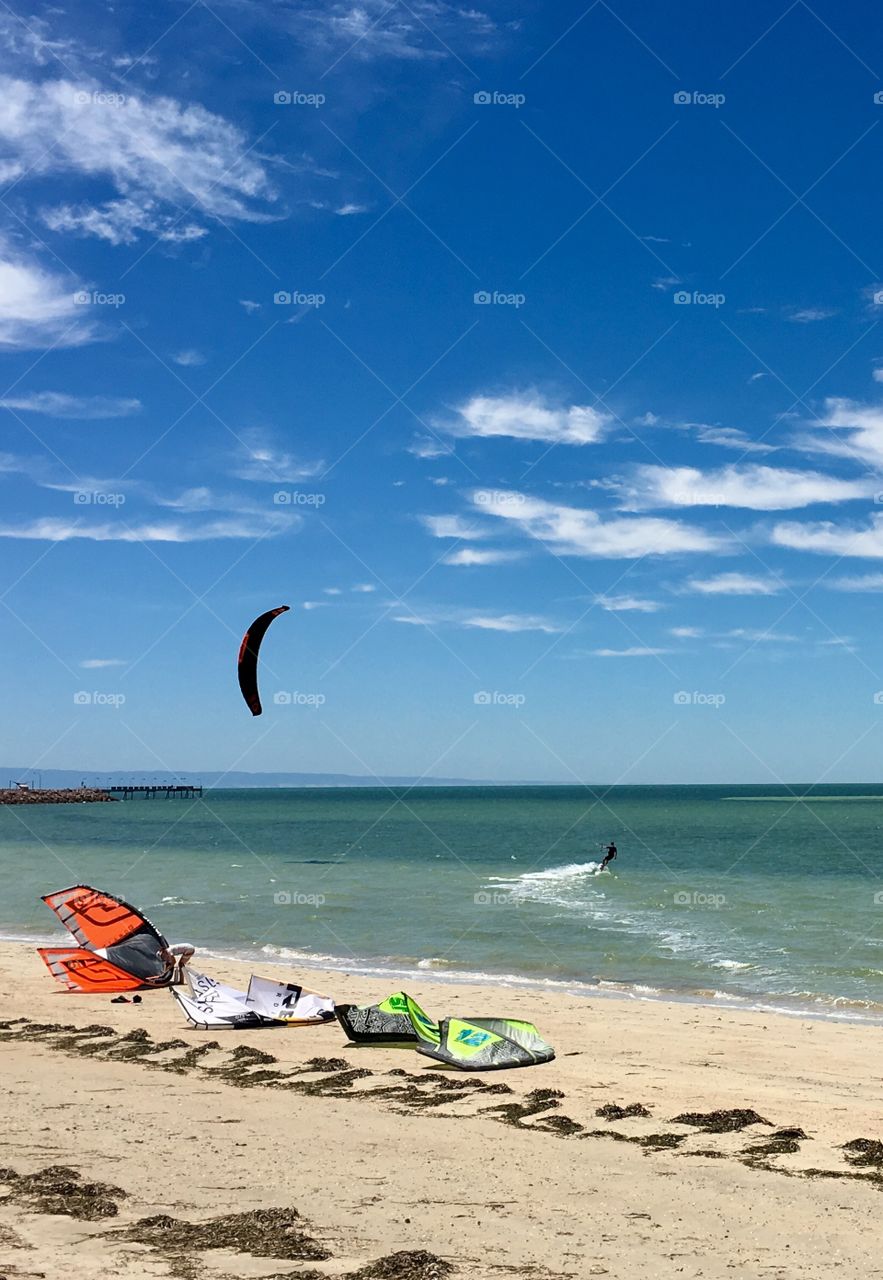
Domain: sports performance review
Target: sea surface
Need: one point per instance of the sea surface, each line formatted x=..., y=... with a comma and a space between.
x=766, y=897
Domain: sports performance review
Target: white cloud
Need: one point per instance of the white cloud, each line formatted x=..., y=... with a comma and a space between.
x=861, y=426
x=262, y=460
x=511, y=623
x=686, y=633
x=98, y=664
x=332, y=591
x=188, y=359
x=578, y=532
x=475, y=556
x=37, y=308
x=811, y=315
x=627, y=604
x=877, y=374
x=155, y=152
x=751, y=486
x=731, y=438
x=826, y=538
x=452, y=527
x=735, y=584
x=636, y=651
x=348, y=210
x=862, y=582
x=249, y=306
x=429, y=447
x=373, y=29
x=364, y=588
x=120, y=221
x=58, y=529
x=527, y=417
x=57, y=404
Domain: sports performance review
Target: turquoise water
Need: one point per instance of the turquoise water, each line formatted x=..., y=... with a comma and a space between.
x=725, y=893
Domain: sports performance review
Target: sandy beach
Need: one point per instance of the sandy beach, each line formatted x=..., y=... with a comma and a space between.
x=509, y=1173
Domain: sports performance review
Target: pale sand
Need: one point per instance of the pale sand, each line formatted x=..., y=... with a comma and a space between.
x=372, y=1175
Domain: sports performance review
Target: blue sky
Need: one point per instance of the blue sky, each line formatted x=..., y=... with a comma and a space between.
x=530, y=353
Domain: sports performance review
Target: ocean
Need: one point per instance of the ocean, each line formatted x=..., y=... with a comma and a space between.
x=745, y=896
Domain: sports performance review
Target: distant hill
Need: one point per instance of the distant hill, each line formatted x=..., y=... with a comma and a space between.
x=215, y=778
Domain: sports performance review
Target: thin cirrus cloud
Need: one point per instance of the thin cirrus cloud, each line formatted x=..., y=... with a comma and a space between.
x=824, y=537
x=262, y=460
x=635, y=651
x=60, y=529
x=859, y=583
x=510, y=623
x=424, y=30
x=57, y=404
x=753, y=487
x=480, y=556
x=628, y=604
x=577, y=531
x=847, y=429
x=156, y=153
x=38, y=307
x=98, y=664
x=449, y=526
x=735, y=584
x=526, y=417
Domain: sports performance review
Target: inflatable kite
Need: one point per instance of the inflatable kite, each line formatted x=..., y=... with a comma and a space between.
x=211, y=1005
x=473, y=1044
x=247, y=666
x=118, y=948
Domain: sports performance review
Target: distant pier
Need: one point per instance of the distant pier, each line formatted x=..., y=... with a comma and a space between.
x=155, y=790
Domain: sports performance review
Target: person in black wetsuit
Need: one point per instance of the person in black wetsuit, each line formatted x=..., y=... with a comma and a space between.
x=608, y=856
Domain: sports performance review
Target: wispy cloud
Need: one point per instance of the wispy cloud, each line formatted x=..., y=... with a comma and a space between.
x=526, y=416
x=628, y=604
x=38, y=307
x=810, y=315
x=827, y=538
x=636, y=651
x=98, y=664
x=510, y=623
x=262, y=460
x=479, y=556
x=189, y=358
x=751, y=486
x=453, y=527
x=57, y=404
x=735, y=584
x=155, y=152
x=576, y=531
x=59, y=529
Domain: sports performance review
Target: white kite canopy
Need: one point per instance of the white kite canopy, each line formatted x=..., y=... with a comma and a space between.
x=211, y=1004
x=287, y=1002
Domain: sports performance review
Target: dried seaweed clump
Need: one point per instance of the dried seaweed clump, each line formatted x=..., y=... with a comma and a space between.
x=58, y=1189
x=613, y=1112
x=264, y=1233
x=864, y=1152
x=408, y=1264
x=720, y=1121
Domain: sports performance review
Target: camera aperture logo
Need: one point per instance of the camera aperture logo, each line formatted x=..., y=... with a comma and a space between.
x=295, y=498
x=83, y=698
x=497, y=698
x=295, y=98
x=284, y=698
x=494, y=298
x=494, y=98
x=95, y=298
x=683, y=298
x=297, y=298
x=684, y=698
x=493, y=898
x=697, y=898
x=695, y=98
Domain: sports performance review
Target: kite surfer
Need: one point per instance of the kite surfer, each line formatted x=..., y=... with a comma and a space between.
x=609, y=855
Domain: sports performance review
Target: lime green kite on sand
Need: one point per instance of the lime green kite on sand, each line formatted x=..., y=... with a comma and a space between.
x=473, y=1044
